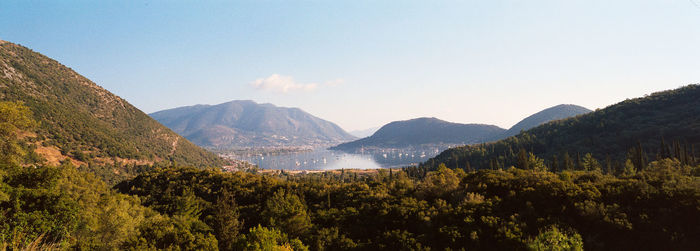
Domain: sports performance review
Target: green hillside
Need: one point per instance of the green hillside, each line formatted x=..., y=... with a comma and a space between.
x=86, y=123
x=660, y=125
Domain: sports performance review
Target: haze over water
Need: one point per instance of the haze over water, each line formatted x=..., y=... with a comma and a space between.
x=321, y=159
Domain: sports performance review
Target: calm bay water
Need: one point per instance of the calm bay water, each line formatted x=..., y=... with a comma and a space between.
x=329, y=160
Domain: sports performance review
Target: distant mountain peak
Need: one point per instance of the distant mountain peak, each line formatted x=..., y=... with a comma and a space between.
x=547, y=115
x=431, y=130
x=424, y=131
x=365, y=132
x=245, y=123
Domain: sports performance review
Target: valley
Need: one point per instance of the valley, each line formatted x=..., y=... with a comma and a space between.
x=349, y=125
x=82, y=173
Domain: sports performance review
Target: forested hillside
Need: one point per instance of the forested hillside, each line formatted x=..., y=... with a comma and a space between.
x=657, y=126
x=79, y=120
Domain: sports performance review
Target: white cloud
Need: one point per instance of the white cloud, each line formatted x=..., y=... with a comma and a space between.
x=280, y=83
x=335, y=82
x=284, y=84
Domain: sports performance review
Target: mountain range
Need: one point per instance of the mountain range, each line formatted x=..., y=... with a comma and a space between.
x=248, y=124
x=86, y=124
x=432, y=131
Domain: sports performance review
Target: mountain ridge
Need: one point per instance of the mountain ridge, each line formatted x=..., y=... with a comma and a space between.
x=412, y=132
x=463, y=137
x=84, y=122
x=364, y=133
x=245, y=123
x=631, y=129
x=553, y=113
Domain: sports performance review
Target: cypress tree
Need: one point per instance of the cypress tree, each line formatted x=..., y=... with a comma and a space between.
x=684, y=154
x=510, y=152
x=455, y=158
x=579, y=163
x=617, y=169
x=227, y=225
x=555, y=163
x=523, y=162
x=692, y=154
x=677, y=149
x=608, y=165
x=639, y=160
x=568, y=165
x=328, y=197
x=664, y=149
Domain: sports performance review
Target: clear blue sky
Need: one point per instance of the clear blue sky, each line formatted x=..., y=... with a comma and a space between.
x=365, y=63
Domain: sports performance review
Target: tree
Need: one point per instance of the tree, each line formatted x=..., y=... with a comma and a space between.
x=685, y=157
x=262, y=238
x=536, y=163
x=568, y=162
x=523, y=161
x=14, y=117
x=629, y=168
x=609, y=169
x=286, y=211
x=639, y=157
x=579, y=162
x=677, y=150
x=663, y=152
x=555, y=164
x=692, y=154
x=441, y=182
x=188, y=205
x=554, y=239
x=590, y=163
x=226, y=220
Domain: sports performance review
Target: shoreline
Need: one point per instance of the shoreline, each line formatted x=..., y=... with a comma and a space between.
x=333, y=171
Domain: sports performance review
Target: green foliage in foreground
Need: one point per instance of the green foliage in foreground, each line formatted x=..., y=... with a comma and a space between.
x=651, y=206
x=514, y=209
x=504, y=209
x=46, y=207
